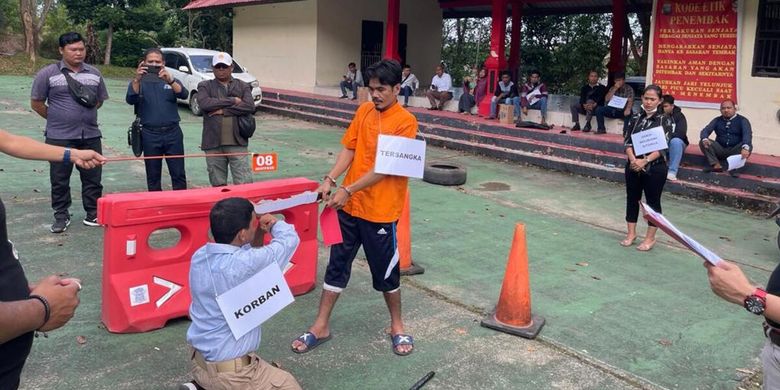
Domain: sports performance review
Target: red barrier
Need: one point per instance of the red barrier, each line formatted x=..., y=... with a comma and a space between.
x=144, y=287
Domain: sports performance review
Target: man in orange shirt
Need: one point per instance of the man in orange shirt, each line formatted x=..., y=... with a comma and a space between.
x=369, y=205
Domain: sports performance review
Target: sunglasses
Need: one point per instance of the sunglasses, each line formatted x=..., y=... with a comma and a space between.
x=221, y=66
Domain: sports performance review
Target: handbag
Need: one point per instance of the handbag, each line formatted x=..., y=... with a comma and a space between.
x=246, y=125
x=80, y=93
x=134, y=133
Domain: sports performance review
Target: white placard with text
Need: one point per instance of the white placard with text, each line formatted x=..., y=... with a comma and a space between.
x=254, y=301
x=617, y=102
x=400, y=156
x=648, y=141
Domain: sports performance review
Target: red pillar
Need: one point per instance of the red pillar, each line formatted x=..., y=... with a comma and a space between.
x=391, y=33
x=514, y=48
x=618, y=32
x=496, y=61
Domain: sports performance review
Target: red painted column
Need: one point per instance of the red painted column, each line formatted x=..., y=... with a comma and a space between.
x=618, y=32
x=391, y=33
x=496, y=61
x=514, y=48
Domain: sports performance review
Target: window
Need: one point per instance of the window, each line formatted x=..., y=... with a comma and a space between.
x=766, y=57
x=171, y=60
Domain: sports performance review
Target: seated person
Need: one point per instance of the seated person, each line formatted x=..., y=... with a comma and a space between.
x=480, y=90
x=733, y=135
x=219, y=361
x=505, y=93
x=534, y=95
x=467, y=101
x=679, y=140
x=409, y=84
x=619, y=89
x=351, y=81
x=441, y=89
x=591, y=96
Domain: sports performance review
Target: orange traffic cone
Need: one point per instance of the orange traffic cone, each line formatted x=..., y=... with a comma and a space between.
x=404, y=236
x=513, y=311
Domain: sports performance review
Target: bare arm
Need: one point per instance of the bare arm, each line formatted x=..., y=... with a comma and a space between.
x=343, y=161
x=30, y=149
x=39, y=106
x=729, y=282
x=20, y=317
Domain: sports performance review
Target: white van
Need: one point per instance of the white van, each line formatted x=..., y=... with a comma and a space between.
x=191, y=66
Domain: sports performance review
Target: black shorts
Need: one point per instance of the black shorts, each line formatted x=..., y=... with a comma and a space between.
x=380, y=245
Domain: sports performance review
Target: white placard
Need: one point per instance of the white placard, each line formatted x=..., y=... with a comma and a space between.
x=400, y=156
x=617, y=102
x=736, y=161
x=661, y=222
x=648, y=141
x=254, y=301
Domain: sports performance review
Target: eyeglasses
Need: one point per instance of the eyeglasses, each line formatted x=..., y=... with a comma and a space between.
x=221, y=66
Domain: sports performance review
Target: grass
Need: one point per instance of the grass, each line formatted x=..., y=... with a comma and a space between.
x=20, y=65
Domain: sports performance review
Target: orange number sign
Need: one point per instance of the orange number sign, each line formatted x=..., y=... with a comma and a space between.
x=262, y=162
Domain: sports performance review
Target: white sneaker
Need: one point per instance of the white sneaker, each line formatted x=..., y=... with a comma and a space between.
x=671, y=176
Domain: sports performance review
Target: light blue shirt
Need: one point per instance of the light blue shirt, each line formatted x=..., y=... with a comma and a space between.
x=215, y=269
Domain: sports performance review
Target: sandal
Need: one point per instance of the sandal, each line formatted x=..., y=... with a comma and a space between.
x=310, y=340
x=626, y=242
x=402, y=339
x=643, y=247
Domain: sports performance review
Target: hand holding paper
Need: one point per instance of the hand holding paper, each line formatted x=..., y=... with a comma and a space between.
x=736, y=161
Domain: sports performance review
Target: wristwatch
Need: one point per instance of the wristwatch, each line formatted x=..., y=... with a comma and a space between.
x=756, y=302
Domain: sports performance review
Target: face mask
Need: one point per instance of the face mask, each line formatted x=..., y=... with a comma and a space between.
x=648, y=113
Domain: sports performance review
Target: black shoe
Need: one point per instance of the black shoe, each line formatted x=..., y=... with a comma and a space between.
x=600, y=132
x=60, y=225
x=343, y=97
x=734, y=174
x=576, y=127
x=354, y=98
x=90, y=220
x=586, y=128
x=564, y=131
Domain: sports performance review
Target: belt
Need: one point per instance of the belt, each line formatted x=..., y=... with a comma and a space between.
x=223, y=366
x=160, y=128
x=772, y=333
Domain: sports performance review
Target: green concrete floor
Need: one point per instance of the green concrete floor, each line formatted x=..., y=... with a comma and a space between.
x=618, y=319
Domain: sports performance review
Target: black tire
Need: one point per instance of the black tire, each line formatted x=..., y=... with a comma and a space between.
x=445, y=174
x=194, y=107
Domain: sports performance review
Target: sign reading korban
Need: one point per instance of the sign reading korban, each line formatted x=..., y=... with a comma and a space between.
x=144, y=287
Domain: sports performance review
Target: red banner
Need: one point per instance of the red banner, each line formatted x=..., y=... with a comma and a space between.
x=695, y=49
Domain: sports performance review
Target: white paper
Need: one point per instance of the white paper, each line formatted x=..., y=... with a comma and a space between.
x=617, y=102
x=533, y=96
x=254, y=301
x=270, y=206
x=400, y=156
x=649, y=141
x=736, y=161
x=664, y=224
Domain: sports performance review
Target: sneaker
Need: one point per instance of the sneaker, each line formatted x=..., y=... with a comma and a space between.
x=601, y=132
x=60, y=225
x=90, y=221
x=576, y=127
x=190, y=386
x=671, y=176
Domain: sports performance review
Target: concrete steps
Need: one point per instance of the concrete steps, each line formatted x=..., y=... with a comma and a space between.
x=599, y=156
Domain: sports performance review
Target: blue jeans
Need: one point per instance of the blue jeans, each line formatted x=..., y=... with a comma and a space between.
x=348, y=85
x=495, y=101
x=540, y=104
x=610, y=112
x=676, y=150
x=407, y=91
x=160, y=143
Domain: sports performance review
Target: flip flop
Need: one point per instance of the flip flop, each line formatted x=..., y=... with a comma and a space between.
x=402, y=339
x=311, y=341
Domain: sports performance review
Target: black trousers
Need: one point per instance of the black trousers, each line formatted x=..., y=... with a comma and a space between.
x=651, y=183
x=168, y=142
x=59, y=175
x=717, y=152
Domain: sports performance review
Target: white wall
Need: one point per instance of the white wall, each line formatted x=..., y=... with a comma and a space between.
x=758, y=97
x=339, y=35
x=278, y=43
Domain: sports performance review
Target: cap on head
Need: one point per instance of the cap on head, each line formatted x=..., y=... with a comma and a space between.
x=222, y=58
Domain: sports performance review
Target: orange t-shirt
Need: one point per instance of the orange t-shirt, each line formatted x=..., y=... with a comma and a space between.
x=383, y=201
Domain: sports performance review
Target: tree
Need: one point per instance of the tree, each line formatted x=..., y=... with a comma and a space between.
x=33, y=14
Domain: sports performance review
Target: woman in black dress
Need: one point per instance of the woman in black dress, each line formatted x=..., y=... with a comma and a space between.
x=645, y=173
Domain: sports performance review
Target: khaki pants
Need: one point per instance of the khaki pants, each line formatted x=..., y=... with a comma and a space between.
x=218, y=166
x=258, y=375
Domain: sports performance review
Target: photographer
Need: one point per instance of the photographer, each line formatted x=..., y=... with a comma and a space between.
x=153, y=92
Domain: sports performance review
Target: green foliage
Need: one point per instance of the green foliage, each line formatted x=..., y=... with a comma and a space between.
x=9, y=16
x=562, y=48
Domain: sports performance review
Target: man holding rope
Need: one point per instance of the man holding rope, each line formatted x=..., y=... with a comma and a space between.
x=155, y=101
x=369, y=205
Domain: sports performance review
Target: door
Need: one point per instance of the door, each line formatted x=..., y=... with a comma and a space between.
x=371, y=44
x=402, y=42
